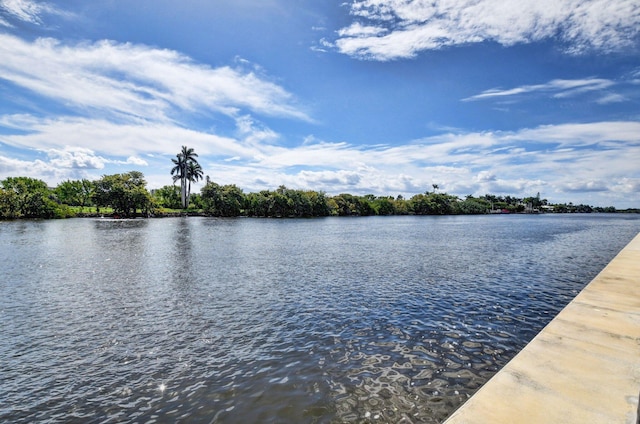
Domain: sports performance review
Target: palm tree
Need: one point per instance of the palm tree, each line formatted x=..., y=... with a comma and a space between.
x=181, y=171
x=178, y=174
x=194, y=173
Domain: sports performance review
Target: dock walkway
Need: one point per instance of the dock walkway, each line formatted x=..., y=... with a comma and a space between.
x=583, y=367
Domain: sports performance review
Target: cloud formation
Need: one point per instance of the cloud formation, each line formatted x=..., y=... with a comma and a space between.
x=75, y=158
x=137, y=81
x=395, y=29
x=24, y=10
x=27, y=11
x=120, y=101
x=557, y=88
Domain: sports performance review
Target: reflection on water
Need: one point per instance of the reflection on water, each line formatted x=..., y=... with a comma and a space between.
x=395, y=319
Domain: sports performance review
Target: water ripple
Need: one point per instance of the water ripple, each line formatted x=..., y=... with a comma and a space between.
x=336, y=320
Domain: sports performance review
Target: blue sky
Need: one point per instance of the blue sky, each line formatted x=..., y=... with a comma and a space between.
x=357, y=96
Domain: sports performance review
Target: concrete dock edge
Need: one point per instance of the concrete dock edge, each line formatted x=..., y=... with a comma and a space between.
x=583, y=367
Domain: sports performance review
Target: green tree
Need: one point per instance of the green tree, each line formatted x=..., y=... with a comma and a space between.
x=29, y=198
x=298, y=202
x=168, y=197
x=178, y=173
x=225, y=200
x=74, y=192
x=420, y=205
x=9, y=204
x=319, y=204
x=186, y=169
x=257, y=204
x=401, y=206
x=346, y=204
x=434, y=204
x=124, y=193
x=194, y=174
x=473, y=206
x=29, y=195
x=280, y=205
x=285, y=202
x=384, y=206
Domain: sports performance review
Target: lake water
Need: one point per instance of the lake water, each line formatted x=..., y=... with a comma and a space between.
x=380, y=319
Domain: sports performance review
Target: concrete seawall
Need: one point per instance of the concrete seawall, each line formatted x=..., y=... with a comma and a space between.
x=583, y=367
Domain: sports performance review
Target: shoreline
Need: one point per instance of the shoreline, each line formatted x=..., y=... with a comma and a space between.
x=207, y=215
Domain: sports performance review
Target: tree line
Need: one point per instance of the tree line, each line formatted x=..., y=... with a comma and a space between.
x=126, y=195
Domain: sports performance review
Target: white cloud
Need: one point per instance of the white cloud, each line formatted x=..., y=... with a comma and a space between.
x=585, y=186
x=10, y=167
x=28, y=11
x=126, y=80
x=75, y=158
x=611, y=98
x=395, y=29
x=557, y=87
x=253, y=133
x=522, y=186
x=627, y=185
x=136, y=161
x=4, y=22
x=485, y=176
x=359, y=30
x=333, y=178
x=25, y=10
x=48, y=171
x=607, y=134
x=114, y=139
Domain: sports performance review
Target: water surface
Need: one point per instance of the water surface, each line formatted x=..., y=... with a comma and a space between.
x=387, y=319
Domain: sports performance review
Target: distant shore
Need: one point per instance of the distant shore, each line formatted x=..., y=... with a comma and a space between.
x=183, y=214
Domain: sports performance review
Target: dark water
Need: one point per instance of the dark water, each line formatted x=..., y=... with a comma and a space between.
x=396, y=319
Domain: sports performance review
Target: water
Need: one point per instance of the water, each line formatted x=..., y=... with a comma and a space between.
x=381, y=319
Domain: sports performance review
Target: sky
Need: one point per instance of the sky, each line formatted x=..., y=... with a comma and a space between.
x=383, y=97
